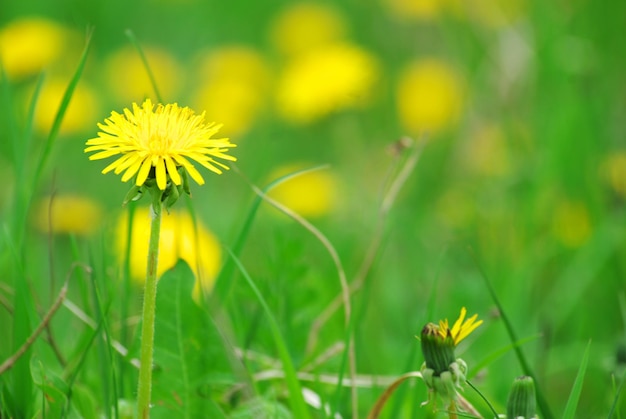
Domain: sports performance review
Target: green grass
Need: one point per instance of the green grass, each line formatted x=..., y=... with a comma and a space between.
x=512, y=210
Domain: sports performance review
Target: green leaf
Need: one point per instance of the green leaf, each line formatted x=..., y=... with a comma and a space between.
x=261, y=408
x=572, y=401
x=51, y=387
x=190, y=361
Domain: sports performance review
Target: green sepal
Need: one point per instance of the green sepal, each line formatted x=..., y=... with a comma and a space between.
x=134, y=194
x=185, y=180
x=170, y=196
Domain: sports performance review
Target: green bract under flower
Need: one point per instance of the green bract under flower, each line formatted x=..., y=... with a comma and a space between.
x=156, y=143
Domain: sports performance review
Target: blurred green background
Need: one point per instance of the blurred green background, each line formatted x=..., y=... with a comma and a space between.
x=516, y=109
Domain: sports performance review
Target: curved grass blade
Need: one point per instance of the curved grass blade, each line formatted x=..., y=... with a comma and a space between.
x=223, y=283
x=133, y=40
x=58, y=119
x=296, y=399
x=382, y=400
x=618, y=392
x=541, y=401
x=572, y=401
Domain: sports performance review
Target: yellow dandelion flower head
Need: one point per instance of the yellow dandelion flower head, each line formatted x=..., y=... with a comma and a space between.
x=158, y=142
x=461, y=329
x=79, y=114
x=429, y=96
x=29, y=44
x=305, y=26
x=67, y=214
x=571, y=224
x=128, y=80
x=310, y=194
x=233, y=87
x=179, y=239
x=326, y=80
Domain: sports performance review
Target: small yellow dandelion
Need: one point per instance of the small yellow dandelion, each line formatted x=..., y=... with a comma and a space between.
x=157, y=143
x=460, y=330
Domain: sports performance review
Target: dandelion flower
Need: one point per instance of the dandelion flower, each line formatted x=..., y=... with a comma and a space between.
x=306, y=26
x=439, y=341
x=325, y=80
x=79, y=114
x=311, y=194
x=429, y=96
x=67, y=214
x=158, y=142
x=29, y=44
x=442, y=372
x=233, y=85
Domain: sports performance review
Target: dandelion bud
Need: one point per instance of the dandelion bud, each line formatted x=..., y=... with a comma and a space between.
x=438, y=351
x=521, y=403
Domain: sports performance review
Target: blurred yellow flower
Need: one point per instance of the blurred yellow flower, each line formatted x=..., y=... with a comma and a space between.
x=158, y=143
x=571, y=224
x=614, y=172
x=29, y=44
x=80, y=112
x=325, y=80
x=312, y=194
x=67, y=214
x=179, y=239
x=429, y=96
x=493, y=14
x=233, y=86
x=416, y=9
x=305, y=26
x=486, y=153
x=127, y=76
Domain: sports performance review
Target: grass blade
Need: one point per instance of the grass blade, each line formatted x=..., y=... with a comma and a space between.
x=58, y=119
x=574, y=396
x=541, y=401
x=223, y=283
x=296, y=400
x=133, y=40
x=618, y=392
x=382, y=400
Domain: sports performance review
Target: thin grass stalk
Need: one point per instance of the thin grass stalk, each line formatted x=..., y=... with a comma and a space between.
x=387, y=202
x=345, y=288
x=133, y=40
x=541, y=401
x=296, y=399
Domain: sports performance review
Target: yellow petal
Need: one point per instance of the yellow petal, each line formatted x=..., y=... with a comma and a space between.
x=130, y=172
x=195, y=175
x=171, y=169
x=143, y=172
x=161, y=178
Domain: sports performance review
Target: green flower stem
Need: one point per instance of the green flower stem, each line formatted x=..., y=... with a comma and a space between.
x=149, y=305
